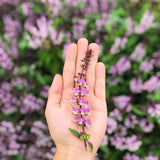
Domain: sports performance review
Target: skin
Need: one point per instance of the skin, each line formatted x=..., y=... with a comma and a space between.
x=58, y=111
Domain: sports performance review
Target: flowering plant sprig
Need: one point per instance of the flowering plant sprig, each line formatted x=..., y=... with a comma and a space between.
x=81, y=109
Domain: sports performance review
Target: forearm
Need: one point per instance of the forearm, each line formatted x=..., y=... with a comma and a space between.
x=64, y=153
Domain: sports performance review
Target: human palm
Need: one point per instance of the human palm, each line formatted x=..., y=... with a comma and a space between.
x=59, y=107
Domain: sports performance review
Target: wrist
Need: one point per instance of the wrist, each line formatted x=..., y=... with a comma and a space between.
x=72, y=153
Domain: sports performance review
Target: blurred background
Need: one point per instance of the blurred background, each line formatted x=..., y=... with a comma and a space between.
x=34, y=36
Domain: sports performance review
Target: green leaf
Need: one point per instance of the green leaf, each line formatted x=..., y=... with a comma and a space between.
x=157, y=95
x=23, y=44
x=90, y=146
x=138, y=111
x=1, y=72
x=80, y=5
x=75, y=132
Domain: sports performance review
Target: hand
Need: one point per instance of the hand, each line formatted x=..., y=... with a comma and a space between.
x=59, y=107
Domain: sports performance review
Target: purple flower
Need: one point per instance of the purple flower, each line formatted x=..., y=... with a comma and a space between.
x=44, y=91
x=83, y=102
x=120, y=42
x=13, y=28
x=133, y=143
x=147, y=66
x=151, y=157
x=84, y=92
x=76, y=91
x=131, y=121
x=31, y=104
x=112, y=81
x=91, y=8
x=9, y=139
x=129, y=156
x=116, y=46
x=38, y=127
x=152, y=84
x=73, y=99
x=84, y=111
x=116, y=114
x=80, y=120
x=87, y=123
x=129, y=143
x=138, y=53
x=129, y=26
x=76, y=79
x=136, y=85
x=111, y=125
x=83, y=82
x=79, y=28
x=123, y=102
x=27, y=8
x=5, y=60
x=9, y=104
x=145, y=23
x=156, y=57
x=6, y=86
x=146, y=126
x=121, y=130
x=54, y=6
x=101, y=22
x=10, y=2
x=41, y=29
x=154, y=110
x=118, y=142
x=121, y=66
x=105, y=140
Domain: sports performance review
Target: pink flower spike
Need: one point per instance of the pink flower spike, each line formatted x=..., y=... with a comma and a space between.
x=81, y=109
x=75, y=110
x=87, y=123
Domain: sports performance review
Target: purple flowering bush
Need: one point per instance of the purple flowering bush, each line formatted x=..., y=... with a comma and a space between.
x=34, y=36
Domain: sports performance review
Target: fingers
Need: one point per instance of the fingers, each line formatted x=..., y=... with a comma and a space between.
x=100, y=81
x=69, y=66
x=92, y=66
x=82, y=48
x=55, y=91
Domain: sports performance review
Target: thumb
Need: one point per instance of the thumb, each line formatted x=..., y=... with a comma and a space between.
x=55, y=91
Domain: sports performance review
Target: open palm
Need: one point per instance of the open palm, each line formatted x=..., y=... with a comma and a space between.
x=59, y=107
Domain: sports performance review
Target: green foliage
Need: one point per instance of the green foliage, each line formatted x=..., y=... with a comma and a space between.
x=90, y=146
x=155, y=97
x=84, y=137
x=75, y=132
